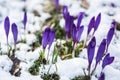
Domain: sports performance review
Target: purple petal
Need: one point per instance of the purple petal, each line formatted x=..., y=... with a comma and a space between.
x=79, y=32
x=51, y=37
x=101, y=51
x=97, y=22
x=65, y=11
x=102, y=76
x=111, y=33
x=45, y=37
x=73, y=33
x=68, y=21
x=25, y=20
x=90, y=51
x=68, y=26
x=7, y=26
x=107, y=60
x=56, y=3
x=15, y=32
x=91, y=25
x=80, y=17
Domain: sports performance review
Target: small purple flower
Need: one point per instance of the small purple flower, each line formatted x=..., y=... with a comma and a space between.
x=90, y=52
x=25, y=20
x=45, y=37
x=94, y=23
x=56, y=3
x=111, y=33
x=101, y=51
x=48, y=37
x=68, y=21
x=97, y=22
x=102, y=76
x=7, y=27
x=107, y=60
x=76, y=33
x=15, y=32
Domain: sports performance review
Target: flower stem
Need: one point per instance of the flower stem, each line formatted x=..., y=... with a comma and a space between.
x=73, y=52
x=48, y=54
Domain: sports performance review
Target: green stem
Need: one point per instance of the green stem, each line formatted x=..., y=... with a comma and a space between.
x=73, y=52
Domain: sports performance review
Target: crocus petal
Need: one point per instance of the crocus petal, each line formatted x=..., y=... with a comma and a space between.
x=25, y=20
x=90, y=51
x=15, y=32
x=97, y=22
x=79, y=32
x=7, y=26
x=68, y=26
x=65, y=11
x=91, y=25
x=80, y=17
x=56, y=3
x=51, y=37
x=102, y=76
x=45, y=37
x=101, y=51
x=107, y=60
x=111, y=33
x=73, y=33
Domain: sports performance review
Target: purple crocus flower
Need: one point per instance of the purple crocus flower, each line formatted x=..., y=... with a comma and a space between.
x=7, y=27
x=90, y=52
x=25, y=20
x=68, y=21
x=94, y=23
x=15, y=32
x=56, y=3
x=97, y=21
x=111, y=33
x=48, y=37
x=76, y=33
x=102, y=76
x=101, y=51
x=45, y=37
x=107, y=60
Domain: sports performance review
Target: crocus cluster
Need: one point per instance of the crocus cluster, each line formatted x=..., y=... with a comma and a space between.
x=14, y=30
x=71, y=29
x=102, y=51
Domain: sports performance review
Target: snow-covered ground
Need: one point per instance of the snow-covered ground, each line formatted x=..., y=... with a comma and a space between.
x=67, y=69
